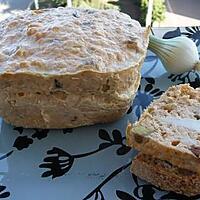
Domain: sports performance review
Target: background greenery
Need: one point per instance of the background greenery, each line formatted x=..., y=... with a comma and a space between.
x=158, y=7
x=158, y=14
x=99, y=4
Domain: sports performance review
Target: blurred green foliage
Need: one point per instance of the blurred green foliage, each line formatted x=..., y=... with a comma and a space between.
x=158, y=14
x=159, y=10
x=46, y=4
x=60, y=2
x=143, y=8
x=99, y=4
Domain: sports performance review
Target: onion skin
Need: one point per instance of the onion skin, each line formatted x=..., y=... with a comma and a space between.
x=178, y=55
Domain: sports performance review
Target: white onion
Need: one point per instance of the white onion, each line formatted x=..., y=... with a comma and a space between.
x=178, y=55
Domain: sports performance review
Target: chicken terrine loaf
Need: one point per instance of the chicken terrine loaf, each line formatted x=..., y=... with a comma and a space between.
x=169, y=128
x=67, y=67
x=168, y=138
x=167, y=176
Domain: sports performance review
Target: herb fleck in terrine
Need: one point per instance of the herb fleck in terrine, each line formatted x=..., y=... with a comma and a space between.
x=168, y=138
x=67, y=67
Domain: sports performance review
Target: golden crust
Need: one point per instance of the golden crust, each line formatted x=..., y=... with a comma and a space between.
x=68, y=40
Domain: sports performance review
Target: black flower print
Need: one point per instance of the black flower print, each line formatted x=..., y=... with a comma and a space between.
x=3, y=194
x=193, y=33
x=16, y=144
x=148, y=191
x=124, y=195
x=143, y=191
x=59, y=162
x=130, y=110
x=181, y=78
x=193, y=78
x=145, y=96
x=172, y=34
x=67, y=130
x=195, y=83
x=19, y=129
x=6, y=155
x=22, y=142
x=117, y=140
x=97, y=193
x=40, y=133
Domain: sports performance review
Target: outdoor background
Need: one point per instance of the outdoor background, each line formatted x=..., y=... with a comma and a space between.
x=165, y=12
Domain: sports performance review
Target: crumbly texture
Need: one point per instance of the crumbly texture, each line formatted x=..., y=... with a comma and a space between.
x=153, y=135
x=69, y=67
x=166, y=176
x=68, y=40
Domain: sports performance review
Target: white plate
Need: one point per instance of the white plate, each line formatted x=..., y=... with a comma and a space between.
x=90, y=162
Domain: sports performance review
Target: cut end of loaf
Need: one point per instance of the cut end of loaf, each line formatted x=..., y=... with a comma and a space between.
x=165, y=175
x=170, y=136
